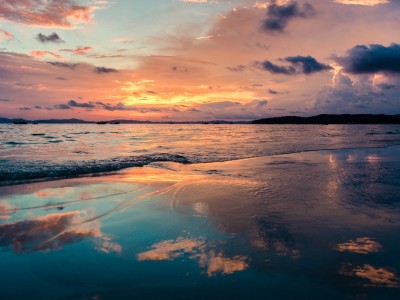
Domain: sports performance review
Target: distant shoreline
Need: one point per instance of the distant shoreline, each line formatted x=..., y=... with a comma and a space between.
x=333, y=119
x=323, y=119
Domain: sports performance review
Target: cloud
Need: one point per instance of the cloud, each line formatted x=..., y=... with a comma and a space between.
x=5, y=35
x=273, y=92
x=47, y=13
x=196, y=1
x=51, y=38
x=63, y=64
x=104, y=70
x=298, y=65
x=116, y=107
x=279, y=15
x=363, y=2
x=73, y=103
x=237, y=68
x=5, y=100
x=78, y=50
x=359, y=94
x=38, y=53
x=62, y=106
x=373, y=58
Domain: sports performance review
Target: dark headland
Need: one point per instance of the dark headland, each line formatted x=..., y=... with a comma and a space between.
x=333, y=119
x=319, y=119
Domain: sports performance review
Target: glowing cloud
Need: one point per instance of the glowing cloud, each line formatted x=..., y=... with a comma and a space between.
x=47, y=13
x=5, y=35
x=362, y=2
x=38, y=53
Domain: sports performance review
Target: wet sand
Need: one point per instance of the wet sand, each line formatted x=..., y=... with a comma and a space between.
x=312, y=225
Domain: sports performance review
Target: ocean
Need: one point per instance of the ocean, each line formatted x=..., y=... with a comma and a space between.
x=59, y=150
x=172, y=211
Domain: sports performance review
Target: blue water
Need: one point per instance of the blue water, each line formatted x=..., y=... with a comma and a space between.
x=300, y=224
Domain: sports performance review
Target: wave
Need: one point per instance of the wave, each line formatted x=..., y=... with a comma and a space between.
x=12, y=172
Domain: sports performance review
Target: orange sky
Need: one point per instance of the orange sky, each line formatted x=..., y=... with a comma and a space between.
x=172, y=60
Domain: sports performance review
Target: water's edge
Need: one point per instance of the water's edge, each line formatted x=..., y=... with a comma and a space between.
x=22, y=172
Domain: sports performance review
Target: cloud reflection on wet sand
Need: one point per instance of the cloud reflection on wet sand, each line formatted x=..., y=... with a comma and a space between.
x=360, y=245
x=373, y=276
x=6, y=210
x=52, y=232
x=213, y=262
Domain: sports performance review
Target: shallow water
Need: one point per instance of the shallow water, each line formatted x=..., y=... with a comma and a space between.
x=311, y=225
x=54, y=150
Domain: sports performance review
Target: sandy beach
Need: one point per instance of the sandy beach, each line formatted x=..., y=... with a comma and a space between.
x=324, y=223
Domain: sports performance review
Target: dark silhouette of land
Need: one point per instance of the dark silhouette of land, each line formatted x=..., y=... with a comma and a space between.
x=333, y=119
x=112, y=122
x=320, y=119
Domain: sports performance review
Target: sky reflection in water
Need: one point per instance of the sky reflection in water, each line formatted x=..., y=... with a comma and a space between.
x=315, y=225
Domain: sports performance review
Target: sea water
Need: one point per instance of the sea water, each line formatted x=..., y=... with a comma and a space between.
x=221, y=212
x=52, y=150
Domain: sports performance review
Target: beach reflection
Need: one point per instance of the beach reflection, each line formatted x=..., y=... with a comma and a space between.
x=213, y=262
x=360, y=245
x=285, y=217
x=52, y=232
x=372, y=276
x=6, y=210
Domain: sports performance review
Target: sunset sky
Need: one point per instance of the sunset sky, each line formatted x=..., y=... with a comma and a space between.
x=181, y=60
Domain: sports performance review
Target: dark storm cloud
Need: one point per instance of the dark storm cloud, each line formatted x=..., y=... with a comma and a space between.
x=73, y=103
x=297, y=65
x=51, y=38
x=373, y=58
x=279, y=16
x=104, y=70
x=25, y=108
x=308, y=64
x=63, y=64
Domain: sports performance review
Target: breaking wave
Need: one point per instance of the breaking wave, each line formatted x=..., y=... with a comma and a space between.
x=22, y=171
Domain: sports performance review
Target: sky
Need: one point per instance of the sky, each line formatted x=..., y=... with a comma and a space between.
x=198, y=60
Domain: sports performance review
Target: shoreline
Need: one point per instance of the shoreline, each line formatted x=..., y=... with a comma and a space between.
x=116, y=170
x=329, y=217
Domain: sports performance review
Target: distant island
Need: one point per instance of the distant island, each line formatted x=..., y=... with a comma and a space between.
x=112, y=122
x=333, y=119
x=323, y=119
